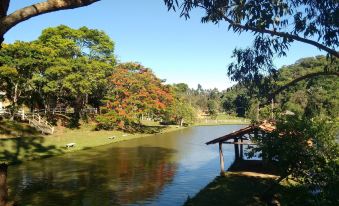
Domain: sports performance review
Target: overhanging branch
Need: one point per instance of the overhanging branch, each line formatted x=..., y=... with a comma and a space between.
x=284, y=34
x=307, y=76
x=9, y=21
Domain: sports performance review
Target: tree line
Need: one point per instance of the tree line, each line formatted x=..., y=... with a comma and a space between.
x=77, y=69
x=312, y=97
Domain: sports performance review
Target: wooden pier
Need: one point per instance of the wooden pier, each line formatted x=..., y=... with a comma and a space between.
x=246, y=136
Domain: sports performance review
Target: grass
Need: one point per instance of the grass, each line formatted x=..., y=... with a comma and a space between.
x=247, y=189
x=222, y=119
x=19, y=142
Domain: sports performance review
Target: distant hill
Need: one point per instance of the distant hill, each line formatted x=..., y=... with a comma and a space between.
x=314, y=96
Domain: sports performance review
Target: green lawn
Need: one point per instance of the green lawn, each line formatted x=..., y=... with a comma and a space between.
x=235, y=189
x=222, y=119
x=19, y=142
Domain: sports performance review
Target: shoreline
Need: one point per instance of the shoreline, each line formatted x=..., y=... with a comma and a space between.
x=36, y=147
x=28, y=147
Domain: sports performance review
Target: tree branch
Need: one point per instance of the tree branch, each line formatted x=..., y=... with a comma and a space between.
x=9, y=21
x=4, y=7
x=284, y=34
x=307, y=76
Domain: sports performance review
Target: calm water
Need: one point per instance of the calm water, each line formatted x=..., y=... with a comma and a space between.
x=160, y=170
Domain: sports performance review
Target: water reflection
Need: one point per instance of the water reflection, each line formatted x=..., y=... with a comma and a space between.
x=117, y=176
x=158, y=170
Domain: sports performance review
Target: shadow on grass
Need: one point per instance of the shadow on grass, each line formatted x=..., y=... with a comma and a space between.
x=257, y=166
x=146, y=129
x=236, y=190
x=23, y=143
x=231, y=190
x=246, y=184
x=138, y=128
x=14, y=129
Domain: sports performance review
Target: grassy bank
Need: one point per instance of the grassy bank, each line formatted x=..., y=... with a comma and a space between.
x=221, y=119
x=240, y=189
x=19, y=142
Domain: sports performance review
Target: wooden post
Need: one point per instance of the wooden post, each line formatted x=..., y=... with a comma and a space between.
x=272, y=108
x=222, y=165
x=22, y=114
x=3, y=184
x=241, y=149
x=258, y=111
x=236, y=149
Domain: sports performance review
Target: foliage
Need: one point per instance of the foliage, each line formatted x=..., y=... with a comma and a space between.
x=65, y=67
x=316, y=96
x=212, y=108
x=73, y=43
x=275, y=24
x=203, y=100
x=20, y=62
x=180, y=113
x=133, y=91
x=306, y=151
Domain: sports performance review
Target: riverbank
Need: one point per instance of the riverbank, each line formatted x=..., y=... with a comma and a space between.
x=222, y=119
x=246, y=189
x=19, y=142
x=222, y=122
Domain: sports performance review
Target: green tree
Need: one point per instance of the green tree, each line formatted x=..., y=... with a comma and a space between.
x=180, y=112
x=318, y=92
x=70, y=82
x=213, y=108
x=181, y=88
x=20, y=62
x=306, y=151
x=65, y=66
x=84, y=58
x=73, y=43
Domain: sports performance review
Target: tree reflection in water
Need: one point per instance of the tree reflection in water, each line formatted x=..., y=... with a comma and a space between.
x=94, y=177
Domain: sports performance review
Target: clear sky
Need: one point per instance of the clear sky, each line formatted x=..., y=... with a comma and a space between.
x=144, y=31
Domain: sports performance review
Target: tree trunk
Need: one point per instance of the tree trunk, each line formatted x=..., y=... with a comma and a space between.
x=15, y=101
x=77, y=112
x=1, y=41
x=3, y=185
x=181, y=122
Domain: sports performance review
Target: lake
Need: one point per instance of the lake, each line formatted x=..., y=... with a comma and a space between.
x=163, y=169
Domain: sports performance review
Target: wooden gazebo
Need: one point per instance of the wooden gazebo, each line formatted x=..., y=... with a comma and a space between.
x=242, y=137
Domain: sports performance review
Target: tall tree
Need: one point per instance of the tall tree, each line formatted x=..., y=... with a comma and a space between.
x=134, y=90
x=85, y=58
x=20, y=62
x=180, y=112
x=70, y=82
x=72, y=43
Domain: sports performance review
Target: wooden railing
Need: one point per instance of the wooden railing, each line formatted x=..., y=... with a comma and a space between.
x=39, y=123
x=60, y=110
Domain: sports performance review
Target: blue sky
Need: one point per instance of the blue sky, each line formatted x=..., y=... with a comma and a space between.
x=144, y=31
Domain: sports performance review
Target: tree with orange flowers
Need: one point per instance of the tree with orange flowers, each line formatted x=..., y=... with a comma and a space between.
x=134, y=91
